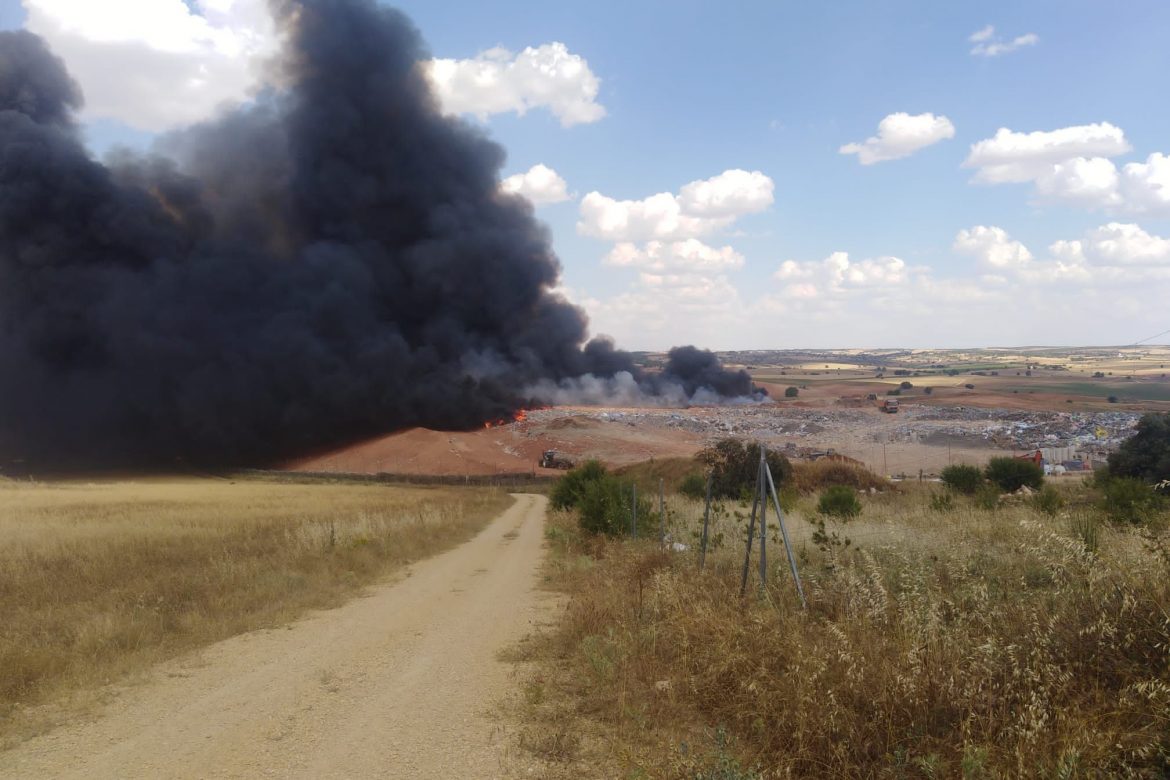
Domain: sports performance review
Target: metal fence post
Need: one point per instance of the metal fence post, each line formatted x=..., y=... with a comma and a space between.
x=634, y=510
x=706, y=522
x=662, y=512
x=751, y=533
x=787, y=542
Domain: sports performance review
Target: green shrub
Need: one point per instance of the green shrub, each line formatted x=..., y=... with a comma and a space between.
x=1048, y=501
x=839, y=501
x=906, y=385
x=733, y=467
x=569, y=489
x=942, y=502
x=694, y=486
x=987, y=497
x=1130, y=500
x=791, y=392
x=963, y=479
x=1010, y=474
x=605, y=507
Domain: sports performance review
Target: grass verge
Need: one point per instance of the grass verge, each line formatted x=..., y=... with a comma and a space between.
x=98, y=581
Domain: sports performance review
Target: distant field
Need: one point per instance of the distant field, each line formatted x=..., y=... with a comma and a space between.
x=1127, y=390
x=99, y=580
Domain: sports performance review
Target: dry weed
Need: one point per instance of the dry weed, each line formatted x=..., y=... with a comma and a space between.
x=961, y=644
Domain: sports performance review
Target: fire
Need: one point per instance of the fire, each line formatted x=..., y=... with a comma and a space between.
x=520, y=415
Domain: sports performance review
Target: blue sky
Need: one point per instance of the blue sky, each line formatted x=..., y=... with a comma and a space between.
x=1066, y=244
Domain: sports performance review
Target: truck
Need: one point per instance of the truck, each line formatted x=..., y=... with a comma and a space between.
x=890, y=406
x=551, y=459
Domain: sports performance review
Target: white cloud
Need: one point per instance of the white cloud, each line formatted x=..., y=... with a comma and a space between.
x=730, y=194
x=539, y=184
x=497, y=81
x=900, y=135
x=157, y=64
x=1145, y=187
x=837, y=274
x=1071, y=165
x=1085, y=181
x=690, y=254
x=983, y=34
x=1019, y=157
x=992, y=247
x=161, y=64
x=700, y=208
x=988, y=44
x=1126, y=245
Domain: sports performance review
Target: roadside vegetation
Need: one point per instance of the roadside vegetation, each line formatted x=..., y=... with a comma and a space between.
x=98, y=581
x=963, y=632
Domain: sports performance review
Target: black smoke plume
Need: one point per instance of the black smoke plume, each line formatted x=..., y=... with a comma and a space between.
x=331, y=261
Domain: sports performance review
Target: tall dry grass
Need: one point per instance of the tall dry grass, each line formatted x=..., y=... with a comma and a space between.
x=100, y=580
x=958, y=643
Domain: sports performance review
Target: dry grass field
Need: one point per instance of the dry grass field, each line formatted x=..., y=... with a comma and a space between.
x=939, y=641
x=99, y=580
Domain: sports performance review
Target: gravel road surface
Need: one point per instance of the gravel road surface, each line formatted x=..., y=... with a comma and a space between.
x=403, y=682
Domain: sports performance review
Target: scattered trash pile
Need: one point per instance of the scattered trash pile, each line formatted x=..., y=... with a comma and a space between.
x=797, y=428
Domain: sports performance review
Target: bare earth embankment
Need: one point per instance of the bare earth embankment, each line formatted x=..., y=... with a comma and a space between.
x=400, y=683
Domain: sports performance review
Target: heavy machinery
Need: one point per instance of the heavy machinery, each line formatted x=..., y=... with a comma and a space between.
x=550, y=459
x=890, y=406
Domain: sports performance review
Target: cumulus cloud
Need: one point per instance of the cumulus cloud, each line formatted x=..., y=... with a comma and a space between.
x=1145, y=187
x=730, y=194
x=1020, y=157
x=988, y=44
x=497, y=81
x=900, y=135
x=539, y=184
x=682, y=290
x=690, y=254
x=1086, y=181
x=1125, y=244
x=838, y=274
x=1071, y=165
x=700, y=208
x=992, y=247
x=161, y=64
x=157, y=64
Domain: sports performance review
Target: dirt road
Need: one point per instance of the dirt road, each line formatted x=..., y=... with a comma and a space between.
x=401, y=683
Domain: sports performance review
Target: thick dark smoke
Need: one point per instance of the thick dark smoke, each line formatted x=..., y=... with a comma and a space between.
x=332, y=261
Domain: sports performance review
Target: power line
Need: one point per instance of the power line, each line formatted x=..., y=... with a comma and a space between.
x=1156, y=335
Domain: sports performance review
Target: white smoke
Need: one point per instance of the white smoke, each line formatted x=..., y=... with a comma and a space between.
x=623, y=390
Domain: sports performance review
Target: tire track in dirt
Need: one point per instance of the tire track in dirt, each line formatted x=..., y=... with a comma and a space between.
x=403, y=682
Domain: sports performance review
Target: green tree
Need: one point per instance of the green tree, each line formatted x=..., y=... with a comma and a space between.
x=791, y=392
x=1010, y=474
x=963, y=479
x=733, y=467
x=1146, y=455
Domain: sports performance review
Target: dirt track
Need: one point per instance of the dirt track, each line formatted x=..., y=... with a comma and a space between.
x=400, y=683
